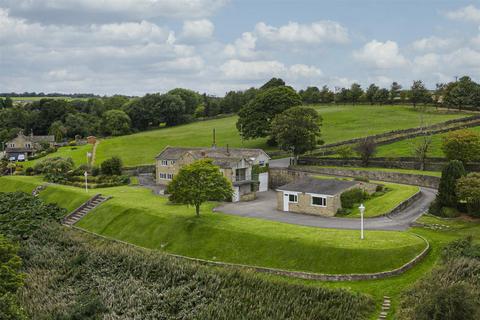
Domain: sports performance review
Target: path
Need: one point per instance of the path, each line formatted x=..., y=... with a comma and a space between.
x=94, y=153
x=264, y=207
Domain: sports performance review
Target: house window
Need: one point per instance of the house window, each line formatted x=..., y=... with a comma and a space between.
x=172, y=162
x=319, y=201
x=12, y=145
x=261, y=163
x=163, y=176
x=292, y=198
x=240, y=174
x=169, y=176
x=164, y=163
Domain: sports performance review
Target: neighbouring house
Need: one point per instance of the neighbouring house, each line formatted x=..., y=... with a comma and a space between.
x=316, y=196
x=246, y=169
x=91, y=139
x=24, y=146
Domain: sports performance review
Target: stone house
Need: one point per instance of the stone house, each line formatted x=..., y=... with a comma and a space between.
x=316, y=196
x=246, y=169
x=24, y=146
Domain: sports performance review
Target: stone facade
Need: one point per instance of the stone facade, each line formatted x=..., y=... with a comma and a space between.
x=304, y=204
x=22, y=146
x=235, y=164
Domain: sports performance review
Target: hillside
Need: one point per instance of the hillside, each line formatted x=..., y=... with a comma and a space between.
x=339, y=123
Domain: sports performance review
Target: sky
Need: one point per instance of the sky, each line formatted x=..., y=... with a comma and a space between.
x=135, y=47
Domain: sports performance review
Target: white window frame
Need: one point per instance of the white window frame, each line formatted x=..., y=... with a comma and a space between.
x=169, y=176
x=162, y=176
x=296, y=197
x=319, y=197
x=164, y=163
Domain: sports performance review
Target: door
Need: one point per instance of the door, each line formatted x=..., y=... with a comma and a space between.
x=263, y=182
x=285, y=201
x=236, y=194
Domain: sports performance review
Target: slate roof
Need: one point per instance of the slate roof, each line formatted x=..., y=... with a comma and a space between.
x=223, y=155
x=42, y=138
x=328, y=187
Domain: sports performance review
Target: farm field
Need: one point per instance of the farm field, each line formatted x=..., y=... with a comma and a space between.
x=339, y=123
x=137, y=216
x=39, y=98
x=404, y=148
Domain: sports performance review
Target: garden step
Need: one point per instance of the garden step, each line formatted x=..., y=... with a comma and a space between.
x=88, y=206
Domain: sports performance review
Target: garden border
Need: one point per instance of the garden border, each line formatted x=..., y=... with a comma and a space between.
x=288, y=273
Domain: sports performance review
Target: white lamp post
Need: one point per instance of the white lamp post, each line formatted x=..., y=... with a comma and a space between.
x=86, y=181
x=362, y=210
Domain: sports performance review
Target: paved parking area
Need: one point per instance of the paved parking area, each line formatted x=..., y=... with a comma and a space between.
x=264, y=207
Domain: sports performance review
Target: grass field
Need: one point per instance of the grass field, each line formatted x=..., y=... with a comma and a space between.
x=135, y=215
x=39, y=98
x=78, y=155
x=404, y=148
x=339, y=123
x=407, y=171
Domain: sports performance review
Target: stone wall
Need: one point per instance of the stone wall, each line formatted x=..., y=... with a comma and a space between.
x=135, y=171
x=293, y=274
x=432, y=164
x=281, y=176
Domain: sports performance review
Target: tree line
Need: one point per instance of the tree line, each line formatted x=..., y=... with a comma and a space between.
x=118, y=115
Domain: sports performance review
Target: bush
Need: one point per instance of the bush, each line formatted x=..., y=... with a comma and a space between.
x=29, y=171
x=351, y=197
x=449, y=212
x=95, y=171
x=361, y=179
x=112, y=166
x=379, y=188
x=461, y=248
x=345, y=151
x=344, y=211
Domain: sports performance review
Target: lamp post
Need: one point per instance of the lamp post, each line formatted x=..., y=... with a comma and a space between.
x=362, y=210
x=86, y=181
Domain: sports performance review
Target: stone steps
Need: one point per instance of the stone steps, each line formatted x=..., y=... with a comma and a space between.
x=84, y=209
x=385, y=308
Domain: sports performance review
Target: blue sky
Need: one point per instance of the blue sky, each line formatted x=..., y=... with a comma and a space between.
x=139, y=46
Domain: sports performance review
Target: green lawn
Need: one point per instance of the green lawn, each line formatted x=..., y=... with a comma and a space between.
x=385, y=203
x=137, y=216
x=339, y=123
x=77, y=153
x=404, y=148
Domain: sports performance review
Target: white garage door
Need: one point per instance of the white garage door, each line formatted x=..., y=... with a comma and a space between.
x=263, y=179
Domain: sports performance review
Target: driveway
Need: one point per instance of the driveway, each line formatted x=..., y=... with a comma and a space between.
x=264, y=207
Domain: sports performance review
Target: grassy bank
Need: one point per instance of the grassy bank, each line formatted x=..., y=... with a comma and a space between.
x=404, y=148
x=77, y=153
x=137, y=216
x=407, y=171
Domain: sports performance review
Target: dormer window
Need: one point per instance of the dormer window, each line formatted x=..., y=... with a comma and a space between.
x=12, y=145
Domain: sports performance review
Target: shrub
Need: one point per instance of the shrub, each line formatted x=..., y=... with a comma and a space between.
x=112, y=166
x=468, y=190
x=29, y=171
x=95, y=171
x=379, y=188
x=72, y=143
x=366, y=149
x=461, y=248
x=449, y=212
x=462, y=145
x=361, y=179
x=351, y=197
x=345, y=151
x=447, y=195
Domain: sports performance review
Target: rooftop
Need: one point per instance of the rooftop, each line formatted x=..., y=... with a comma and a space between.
x=173, y=153
x=328, y=187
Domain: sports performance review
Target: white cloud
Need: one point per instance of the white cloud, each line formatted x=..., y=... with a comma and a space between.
x=468, y=13
x=262, y=69
x=243, y=47
x=381, y=55
x=198, y=29
x=43, y=10
x=429, y=61
x=432, y=43
x=315, y=33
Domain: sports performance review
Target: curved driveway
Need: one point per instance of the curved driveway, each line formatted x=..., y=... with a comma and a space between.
x=264, y=207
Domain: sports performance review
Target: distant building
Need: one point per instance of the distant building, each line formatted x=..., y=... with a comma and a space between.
x=244, y=168
x=91, y=140
x=22, y=147
x=314, y=196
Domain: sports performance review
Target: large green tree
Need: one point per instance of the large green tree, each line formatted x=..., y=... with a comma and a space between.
x=370, y=93
x=172, y=109
x=255, y=118
x=191, y=99
x=468, y=190
x=10, y=280
x=297, y=129
x=272, y=83
x=447, y=193
x=394, y=91
x=463, y=145
x=356, y=93
x=418, y=93
x=197, y=183
x=116, y=122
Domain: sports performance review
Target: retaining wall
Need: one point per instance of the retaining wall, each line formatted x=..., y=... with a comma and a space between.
x=294, y=274
x=432, y=164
